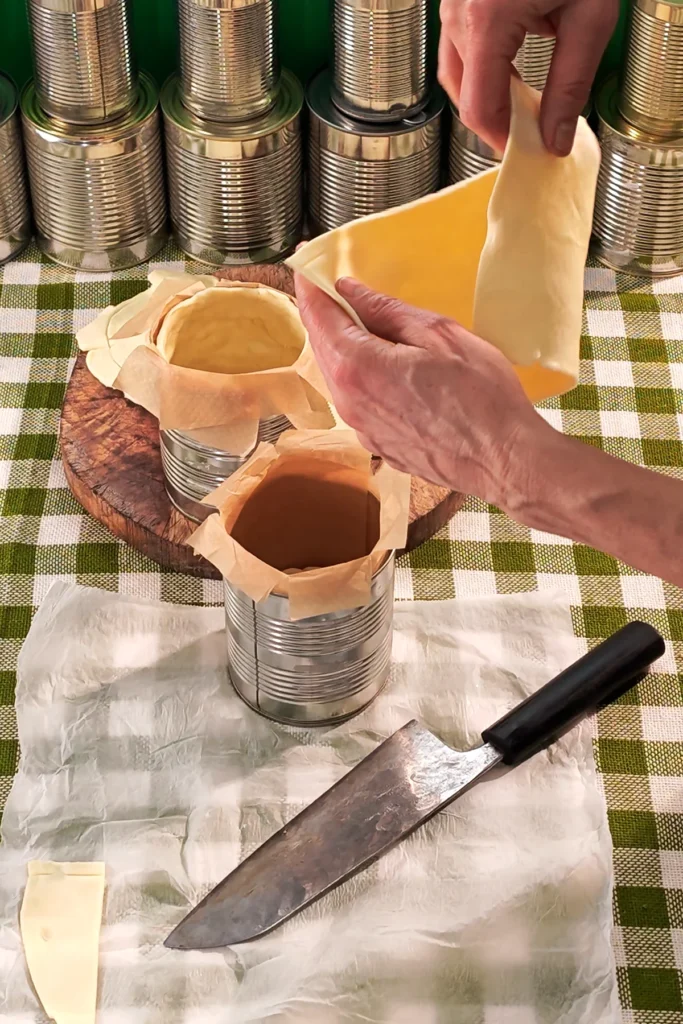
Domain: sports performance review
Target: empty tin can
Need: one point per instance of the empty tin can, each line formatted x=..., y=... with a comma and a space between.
x=638, y=224
x=236, y=190
x=652, y=82
x=380, y=58
x=468, y=154
x=228, y=57
x=192, y=470
x=83, y=61
x=15, y=214
x=315, y=671
x=357, y=169
x=534, y=58
x=98, y=192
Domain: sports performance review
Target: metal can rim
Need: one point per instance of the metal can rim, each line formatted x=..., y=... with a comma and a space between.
x=606, y=105
x=320, y=104
x=665, y=11
x=9, y=99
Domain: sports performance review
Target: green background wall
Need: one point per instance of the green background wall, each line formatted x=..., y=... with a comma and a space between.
x=304, y=36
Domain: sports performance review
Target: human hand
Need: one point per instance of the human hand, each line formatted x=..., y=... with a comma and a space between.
x=439, y=403
x=480, y=40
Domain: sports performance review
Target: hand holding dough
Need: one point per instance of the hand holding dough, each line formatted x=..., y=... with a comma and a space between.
x=502, y=253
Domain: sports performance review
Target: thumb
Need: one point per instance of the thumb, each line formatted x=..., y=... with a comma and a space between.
x=386, y=317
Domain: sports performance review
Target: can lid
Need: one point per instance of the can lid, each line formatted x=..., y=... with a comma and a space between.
x=320, y=103
x=8, y=98
x=287, y=107
x=52, y=129
x=606, y=101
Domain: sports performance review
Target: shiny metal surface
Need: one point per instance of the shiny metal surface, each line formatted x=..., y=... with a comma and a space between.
x=652, y=79
x=357, y=169
x=638, y=223
x=380, y=58
x=467, y=154
x=15, y=213
x=193, y=470
x=228, y=57
x=315, y=671
x=397, y=788
x=98, y=192
x=534, y=58
x=83, y=59
x=236, y=190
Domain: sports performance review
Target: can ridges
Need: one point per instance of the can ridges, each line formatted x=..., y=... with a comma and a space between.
x=652, y=80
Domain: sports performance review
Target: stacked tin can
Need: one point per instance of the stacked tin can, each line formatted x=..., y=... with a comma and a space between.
x=93, y=142
x=468, y=154
x=15, y=215
x=638, y=226
x=233, y=136
x=375, y=120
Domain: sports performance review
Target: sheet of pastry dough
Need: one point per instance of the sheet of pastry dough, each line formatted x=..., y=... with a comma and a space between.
x=60, y=928
x=502, y=253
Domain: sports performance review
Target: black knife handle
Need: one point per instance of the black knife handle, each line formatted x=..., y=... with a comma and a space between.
x=600, y=677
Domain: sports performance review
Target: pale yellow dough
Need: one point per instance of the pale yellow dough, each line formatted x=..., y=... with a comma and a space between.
x=502, y=253
x=60, y=928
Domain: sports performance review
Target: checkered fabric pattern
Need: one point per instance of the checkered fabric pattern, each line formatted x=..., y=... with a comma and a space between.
x=629, y=402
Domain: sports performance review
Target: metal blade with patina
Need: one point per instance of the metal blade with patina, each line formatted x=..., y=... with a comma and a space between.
x=400, y=785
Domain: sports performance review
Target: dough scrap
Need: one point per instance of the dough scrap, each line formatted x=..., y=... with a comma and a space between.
x=60, y=922
x=503, y=253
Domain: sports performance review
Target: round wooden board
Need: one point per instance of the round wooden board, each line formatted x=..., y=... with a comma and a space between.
x=110, y=453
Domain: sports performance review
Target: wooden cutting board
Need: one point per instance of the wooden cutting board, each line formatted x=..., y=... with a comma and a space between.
x=110, y=453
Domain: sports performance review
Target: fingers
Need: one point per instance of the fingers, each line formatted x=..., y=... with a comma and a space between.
x=450, y=68
x=583, y=31
x=390, y=318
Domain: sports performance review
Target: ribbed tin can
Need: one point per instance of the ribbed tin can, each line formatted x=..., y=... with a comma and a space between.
x=467, y=154
x=98, y=192
x=83, y=60
x=534, y=58
x=15, y=214
x=236, y=190
x=315, y=671
x=652, y=82
x=192, y=470
x=357, y=169
x=228, y=57
x=380, y=58
x=638, y=224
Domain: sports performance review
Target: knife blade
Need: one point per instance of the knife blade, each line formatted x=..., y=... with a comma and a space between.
x=405, y=781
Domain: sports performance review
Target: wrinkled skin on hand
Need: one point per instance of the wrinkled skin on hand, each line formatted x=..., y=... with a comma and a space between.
x=480, y=40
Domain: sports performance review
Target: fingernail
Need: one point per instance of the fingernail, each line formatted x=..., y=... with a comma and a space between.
x=563, y=140
x=349, y=286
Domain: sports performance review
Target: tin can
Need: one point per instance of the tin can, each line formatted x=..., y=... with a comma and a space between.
x=468, y=154
x=83, y=59
x=228, y=57
x=534, y=58
x=316, y=671
x=15, y=214
x=192, y=470
x=98, y=193
x=652, y=81
x=236, y=190
x=638, y=224
x=380, y=58
x=357, y=169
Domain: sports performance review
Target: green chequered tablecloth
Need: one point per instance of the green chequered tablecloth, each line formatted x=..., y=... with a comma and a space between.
x=629, y=402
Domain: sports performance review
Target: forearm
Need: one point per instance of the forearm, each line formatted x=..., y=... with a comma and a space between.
x=573, y=490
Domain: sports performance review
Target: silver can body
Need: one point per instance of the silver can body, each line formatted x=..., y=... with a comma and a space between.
x=236, y=192
x=192, y=470
x=358, y=169
x=380, y=58
x=533, y=60
x=83, y=59
x=15, y=213
x=228, y=57
x=638, y=223
x=652, y=81
x=315, y=671
x=467, y=154
x=98, y=193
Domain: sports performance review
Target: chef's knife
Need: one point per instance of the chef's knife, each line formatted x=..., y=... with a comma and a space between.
x=397, y=788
